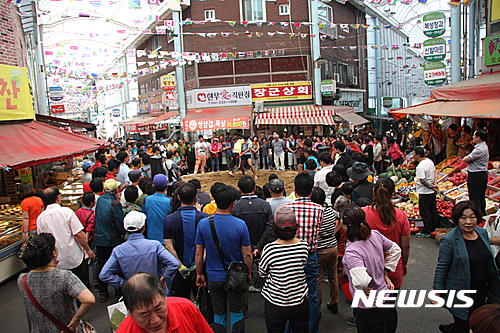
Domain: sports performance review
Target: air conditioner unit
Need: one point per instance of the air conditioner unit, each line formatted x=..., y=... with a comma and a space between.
x=336, y=77
x=353, y=80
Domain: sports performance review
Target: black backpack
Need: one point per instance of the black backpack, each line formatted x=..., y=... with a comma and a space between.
x=170, y=172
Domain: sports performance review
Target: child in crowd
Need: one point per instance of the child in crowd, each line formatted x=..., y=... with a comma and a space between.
x=311, y=167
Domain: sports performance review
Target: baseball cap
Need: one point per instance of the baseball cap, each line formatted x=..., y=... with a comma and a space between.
x=277, y=185
x=134, y=221
x=160, y=179
x=111, y=185
x=285, y=218
x=134, y=174
x=87, y=164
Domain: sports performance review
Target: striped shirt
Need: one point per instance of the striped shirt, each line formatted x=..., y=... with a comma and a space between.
x=283, y=265
x=309, y=218
x=326, y=236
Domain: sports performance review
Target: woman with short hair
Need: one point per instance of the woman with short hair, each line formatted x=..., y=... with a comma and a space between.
x=31, y=206
x=54, y=289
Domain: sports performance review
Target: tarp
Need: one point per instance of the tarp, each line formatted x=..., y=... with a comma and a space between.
x=61, y=122
x=130, y=125
x=475, y=98
x=157, y=123
x=217, y=118
x=352, y=117
x=31, y=143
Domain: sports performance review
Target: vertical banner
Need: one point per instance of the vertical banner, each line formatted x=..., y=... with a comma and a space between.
x=16, y=101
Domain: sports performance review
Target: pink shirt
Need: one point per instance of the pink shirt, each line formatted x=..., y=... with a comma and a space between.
x=63, y=224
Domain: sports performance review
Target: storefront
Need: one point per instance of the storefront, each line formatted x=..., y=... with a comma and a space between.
x=162, y=126
x=217, y=119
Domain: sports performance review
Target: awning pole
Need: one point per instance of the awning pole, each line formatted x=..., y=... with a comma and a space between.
x=471, y=35
x=315, y=51
x=179, y=70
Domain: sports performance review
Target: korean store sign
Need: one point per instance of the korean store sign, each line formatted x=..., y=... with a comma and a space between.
x=16, y=101
x=223, y=96
x=215, y=124
x=434, y=49
x=281, y=91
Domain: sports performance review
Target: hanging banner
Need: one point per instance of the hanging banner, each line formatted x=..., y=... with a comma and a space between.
x=435, y=73
x=281, y=91
x=387, y=102
x=215, y=124
x=491, y=54
x=434, y=49
x=16, y=101
x=328, y=87
x=168, y=82
x=223, y=96
x=434, y=24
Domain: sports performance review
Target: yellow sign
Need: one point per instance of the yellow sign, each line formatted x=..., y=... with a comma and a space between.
x=168, y=82
x=495, y=10
x=281, y=91
x=16, y=101
x=25, y=175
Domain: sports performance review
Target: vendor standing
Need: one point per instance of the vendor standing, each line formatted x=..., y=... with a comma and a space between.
x=478, y=169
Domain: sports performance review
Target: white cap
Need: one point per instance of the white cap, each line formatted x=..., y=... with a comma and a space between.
x=134, y=221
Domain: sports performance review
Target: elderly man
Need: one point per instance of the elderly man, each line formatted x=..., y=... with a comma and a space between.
x=150, y=311
x=137, y=254
x=64, y=225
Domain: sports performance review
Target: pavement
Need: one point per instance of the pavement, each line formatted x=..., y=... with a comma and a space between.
x=422, y=262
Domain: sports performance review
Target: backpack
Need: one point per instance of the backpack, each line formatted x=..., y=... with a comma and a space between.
x=170, y=172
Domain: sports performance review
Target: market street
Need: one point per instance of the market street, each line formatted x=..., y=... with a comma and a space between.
x=421, y=267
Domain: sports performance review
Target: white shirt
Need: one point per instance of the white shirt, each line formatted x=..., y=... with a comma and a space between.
x=493, y=230
x=122, y=197
x=427, y=171
x=377, y=152
x=320, y=181
x=122, y=175
x=63, y=224
x=201, y=148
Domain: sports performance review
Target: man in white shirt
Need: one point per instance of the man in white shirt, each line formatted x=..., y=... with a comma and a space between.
x=325, y=161
x=426, y=182
x=122, y=175
x=67, y=229
x=377, y=153
x=277, y=188
x=201, y=152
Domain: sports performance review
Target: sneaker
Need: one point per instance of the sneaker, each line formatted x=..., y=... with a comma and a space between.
x=252, y=289
x=96, y=289
x=333, y=307
x=104, y=297
x=351, y=321
x=423, y=235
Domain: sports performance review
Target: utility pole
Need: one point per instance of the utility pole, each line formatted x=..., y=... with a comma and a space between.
x=456, y=58
x=316, y=51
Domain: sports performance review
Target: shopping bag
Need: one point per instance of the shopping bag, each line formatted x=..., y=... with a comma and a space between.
x=204, y=303
x=347, y=291
x=116, y=313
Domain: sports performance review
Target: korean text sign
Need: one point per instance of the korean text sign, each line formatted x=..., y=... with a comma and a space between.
x=281, y=91
x=216, y=124
x=16, y=101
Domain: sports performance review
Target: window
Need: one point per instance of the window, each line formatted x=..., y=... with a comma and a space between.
x=253, y=10
x=284, y=9
x=342, y=70
x=156, y=43
x=209, y=14
x=325, y=12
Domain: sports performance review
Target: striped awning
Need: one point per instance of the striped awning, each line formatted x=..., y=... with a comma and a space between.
x=295, y=115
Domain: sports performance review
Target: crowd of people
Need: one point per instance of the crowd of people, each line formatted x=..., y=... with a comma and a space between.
x=148, y=234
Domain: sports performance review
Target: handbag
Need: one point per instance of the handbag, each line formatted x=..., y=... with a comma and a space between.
x=87, y=328
x=204, y=304
x=236, y=273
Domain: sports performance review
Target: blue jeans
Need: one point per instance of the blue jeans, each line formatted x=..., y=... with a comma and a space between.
x=312, y=271
x=215, y=163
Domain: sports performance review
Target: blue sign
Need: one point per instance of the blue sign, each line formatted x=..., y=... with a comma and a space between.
x=56, y=93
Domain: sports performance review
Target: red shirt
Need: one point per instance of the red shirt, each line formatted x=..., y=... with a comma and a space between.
x=400, y=228
x=110, y=175
x=87, y=218
x=183, y=317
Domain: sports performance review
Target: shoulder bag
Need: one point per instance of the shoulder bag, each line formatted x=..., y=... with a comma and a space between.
x=87, y=328
x=236, y=273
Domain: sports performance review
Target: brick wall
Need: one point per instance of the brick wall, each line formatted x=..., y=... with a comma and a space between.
x=12, y=44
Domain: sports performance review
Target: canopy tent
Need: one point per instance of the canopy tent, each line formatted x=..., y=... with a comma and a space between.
x=130, y=125
x=475, y=98
x=352, y=117
x=227, y=117
x=32, y=143
x=295, y=115
x=61, y=122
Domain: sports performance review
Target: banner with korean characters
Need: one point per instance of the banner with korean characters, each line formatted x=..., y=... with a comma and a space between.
x=215, y=124
x=16, y=101
x=434, y=49
x=435, y=73
x=222, y=96
x=168, y=82
x=281, y=91
x=492, y=50
x=434, y=24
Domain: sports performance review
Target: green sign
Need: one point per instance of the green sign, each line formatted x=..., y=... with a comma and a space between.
x=434, y=24
x=491, y=50
x=328, y=87
x=387, y=102
x=435, y=73
x=434, y=49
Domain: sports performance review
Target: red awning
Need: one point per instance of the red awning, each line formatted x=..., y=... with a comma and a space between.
x=32, y=143
x=217, y=119
x=488, y=108
x=486, y=86
x=156, y=123
x=130, y=125
x=300, y=115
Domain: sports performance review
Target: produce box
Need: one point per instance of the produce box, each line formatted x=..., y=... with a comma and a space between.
x=493, y=179
x=412, y=211
x=458, y=163
x=446, y=162
x=492, y=192
x=455, y=194
x=440, y=232
x=494, y=182
x=458, y=178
